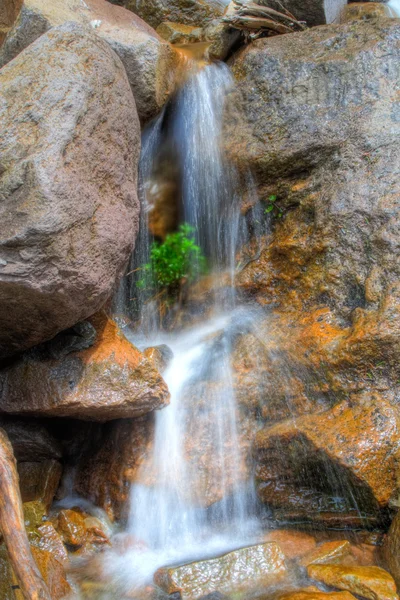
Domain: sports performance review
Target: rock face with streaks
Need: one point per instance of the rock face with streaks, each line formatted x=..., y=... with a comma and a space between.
x=68, y=156
x=320, y=135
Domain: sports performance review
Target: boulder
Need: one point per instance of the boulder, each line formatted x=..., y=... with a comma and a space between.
x=330, y=552
x=150, y=63
x=341, y=462
x=293, y=544
x=82, y=534
x=107, y=469
x=316, y=127
x=160, y=356
x=50, y=541
x=109, y=380
x=373, y=583
x=392, y=548
x=177, y=33
x=69, y=210
x=31, y=440
x=9, y=10
x=316, y=120
x=363, y=10
x=188, y=12
x=39, y=481
x=240, y=570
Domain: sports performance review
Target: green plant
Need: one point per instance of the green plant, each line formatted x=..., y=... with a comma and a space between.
x=178, y=258
x=272, y=206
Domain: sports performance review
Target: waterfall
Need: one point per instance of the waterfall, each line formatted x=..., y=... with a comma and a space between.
x=394, y=8
x=197, y=441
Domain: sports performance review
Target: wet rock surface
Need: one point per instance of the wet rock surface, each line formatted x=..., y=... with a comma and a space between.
x=239, y=570
x=110, y=379
x=328, y=271
x=51, y=570
x=332, y=461
x=70, y=142
x=392, y=549
x=150, y=63
x=373, y=583
x=108, y=468
x=39, y=481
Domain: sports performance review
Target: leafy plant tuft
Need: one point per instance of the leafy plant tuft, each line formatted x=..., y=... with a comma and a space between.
x=178, y=258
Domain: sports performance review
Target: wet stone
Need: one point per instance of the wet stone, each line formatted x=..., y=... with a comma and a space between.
x=244, y=569
x=330, y=552
x=373, y=583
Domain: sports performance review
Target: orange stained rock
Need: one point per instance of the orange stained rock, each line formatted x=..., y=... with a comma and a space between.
x=363, y=437
x=373, y=583
x=315, y=594
x=293, y=543
x=330, y=552
x=52, y=572
x=110, y=344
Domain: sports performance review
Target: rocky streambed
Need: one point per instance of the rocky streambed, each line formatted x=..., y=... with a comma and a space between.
x=303, y=371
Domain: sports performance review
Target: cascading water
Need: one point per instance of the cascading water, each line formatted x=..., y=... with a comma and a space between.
x=393, y=7
x=197, y=449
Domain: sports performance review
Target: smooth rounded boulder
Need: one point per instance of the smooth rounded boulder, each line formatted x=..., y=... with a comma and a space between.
x=69, y=211
x=151, y=64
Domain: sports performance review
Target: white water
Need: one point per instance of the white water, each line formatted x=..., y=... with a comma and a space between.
x=394, y=8
x=197, y=447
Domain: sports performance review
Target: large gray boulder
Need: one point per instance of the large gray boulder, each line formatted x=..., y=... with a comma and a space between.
x=188, y=12
x=150, y=62
x=319, y=125
x=69, y=149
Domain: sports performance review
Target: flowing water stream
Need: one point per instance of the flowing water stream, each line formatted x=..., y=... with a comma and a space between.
x=196, y=445
x=394, y=8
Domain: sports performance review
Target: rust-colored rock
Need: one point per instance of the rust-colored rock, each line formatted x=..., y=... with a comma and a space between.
x=70, y=142
x=107, y=470
x=330, y=552
x=52, y=572
x=50, y=569
x=315, y=595
x=373, y=583
x=9, y=10
x=392, y=548
x=341, y=461
x=240, y=570
x=294, y=544
x=110, y=379
x=71, y=526
x=159, y=356
x=151, y=64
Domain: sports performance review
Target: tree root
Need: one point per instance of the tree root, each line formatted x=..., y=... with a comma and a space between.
x=12, y=526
